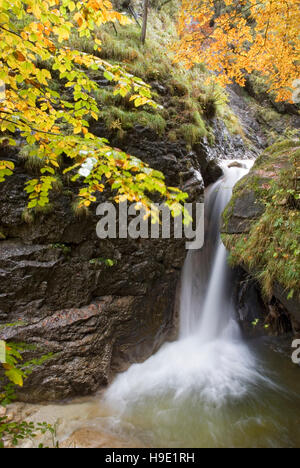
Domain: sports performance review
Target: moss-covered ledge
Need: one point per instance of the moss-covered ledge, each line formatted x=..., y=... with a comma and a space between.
x=261, y=225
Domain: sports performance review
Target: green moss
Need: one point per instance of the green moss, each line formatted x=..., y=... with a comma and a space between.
x=271, y=248
x=31, y=160
x=179, y=86
x=108, y=262
x=268, y=115
x=226, y=216
x=172, y=136
x=117, y=118
x=34, y=161
x=187, y=100
x=192, y=133
x=123, y=47
x=230, y=120
x=79, y=210
x=279, y=148
x=198, y=120
x=57, y=184
x=27, y=216
x=259, y=86
x=47, y=209
x=66, y=250
x=150, y=71
x=104, y=96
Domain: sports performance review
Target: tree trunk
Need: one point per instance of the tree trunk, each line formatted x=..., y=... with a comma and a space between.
x=145, y=19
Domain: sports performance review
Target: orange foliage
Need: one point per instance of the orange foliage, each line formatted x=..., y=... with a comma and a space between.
x=244, y=36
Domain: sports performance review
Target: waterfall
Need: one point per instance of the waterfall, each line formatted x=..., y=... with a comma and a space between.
x=209, y=388
x=209, y=363
x=206, y=304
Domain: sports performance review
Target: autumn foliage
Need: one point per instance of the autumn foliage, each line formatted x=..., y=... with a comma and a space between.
x=35, y=50
x=236, y=37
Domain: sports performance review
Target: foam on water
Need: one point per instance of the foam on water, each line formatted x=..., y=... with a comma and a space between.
x=209, y=362
x=207, y=389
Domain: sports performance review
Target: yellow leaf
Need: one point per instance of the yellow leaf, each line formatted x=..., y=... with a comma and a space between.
x=15, y=377
x=78, y=18
x=54, y=163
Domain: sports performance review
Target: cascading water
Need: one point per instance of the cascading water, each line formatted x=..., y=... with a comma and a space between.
x=206, y=305
x=209, y=364
x=189, y=383
x=209, y=388
x=209, y=357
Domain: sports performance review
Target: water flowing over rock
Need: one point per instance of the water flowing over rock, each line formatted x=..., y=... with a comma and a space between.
x=208, y=380
x=209, y=364
x=96, y=318
x=99, y=319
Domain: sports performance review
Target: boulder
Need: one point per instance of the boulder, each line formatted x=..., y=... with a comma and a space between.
x=96, y=317
x=245, y=210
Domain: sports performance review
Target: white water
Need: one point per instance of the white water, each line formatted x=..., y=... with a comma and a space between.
x=209, y=388
x=209, y=362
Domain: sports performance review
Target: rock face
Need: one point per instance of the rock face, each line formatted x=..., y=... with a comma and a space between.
x=96, y=318
x=254, y=312
x=244, y=210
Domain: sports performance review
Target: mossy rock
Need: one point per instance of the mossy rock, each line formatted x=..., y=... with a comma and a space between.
x=261, y=224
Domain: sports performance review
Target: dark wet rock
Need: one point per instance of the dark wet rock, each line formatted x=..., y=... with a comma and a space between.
x=291, y=304
x=251, y=307
x=194, y=185
x=208, y=162
x=97, y=319
x=92, y=342
x=213, y=172
x=258, y=316
x=162, y=90
x=263, y=119
x=172, y=159
x=240, y=216
x=245, y=208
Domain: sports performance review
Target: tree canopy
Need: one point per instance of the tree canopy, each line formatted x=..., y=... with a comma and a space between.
x=236, y=37
x=34, y=49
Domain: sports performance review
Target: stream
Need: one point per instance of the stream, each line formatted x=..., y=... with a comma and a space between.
x=210, y=388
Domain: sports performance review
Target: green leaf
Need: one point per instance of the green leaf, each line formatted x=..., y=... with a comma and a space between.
x=291, y=294
x=15, y=376
x=2, y=351
x=108, y=75
x=32, y=204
